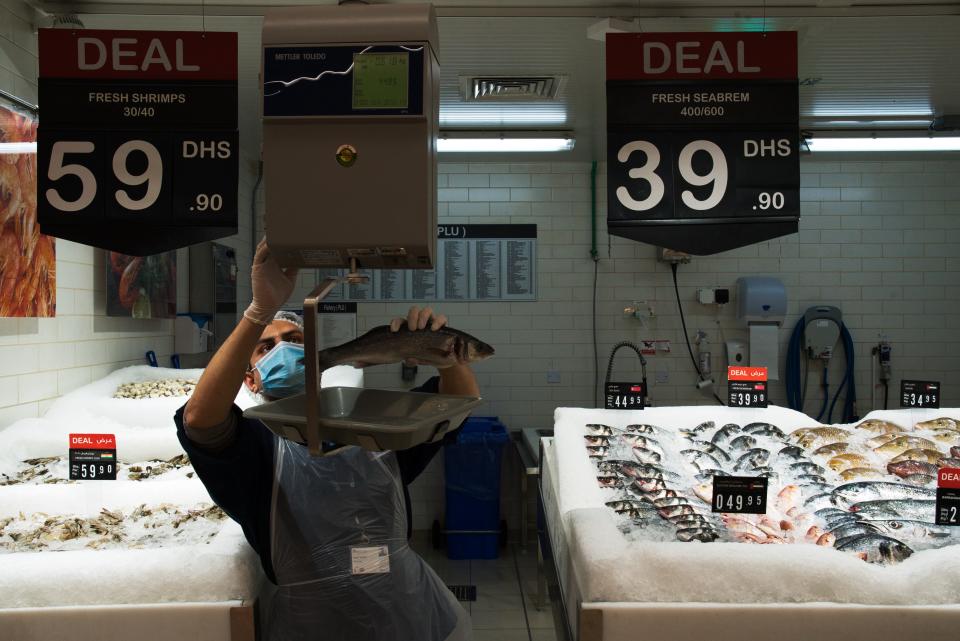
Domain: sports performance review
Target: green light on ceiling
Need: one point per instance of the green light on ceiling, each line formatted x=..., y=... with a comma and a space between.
x=743, y=24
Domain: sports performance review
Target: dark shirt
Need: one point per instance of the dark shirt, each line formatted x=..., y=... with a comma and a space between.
x=238, y=472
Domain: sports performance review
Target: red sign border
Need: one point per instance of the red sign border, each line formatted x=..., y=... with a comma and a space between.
x=110, y=444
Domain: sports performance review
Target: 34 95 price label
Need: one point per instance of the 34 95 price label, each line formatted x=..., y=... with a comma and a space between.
x=739, y=494
x=920, y=394
x=624, y=396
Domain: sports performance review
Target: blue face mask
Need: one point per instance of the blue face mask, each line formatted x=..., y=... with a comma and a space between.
x=282, y=370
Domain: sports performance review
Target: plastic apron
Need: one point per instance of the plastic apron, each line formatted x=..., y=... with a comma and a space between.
x=342, y=562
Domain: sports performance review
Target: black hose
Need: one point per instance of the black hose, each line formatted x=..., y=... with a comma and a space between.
x=596, y=355
x=886, y=393
x=643, y=364
x=686, y=337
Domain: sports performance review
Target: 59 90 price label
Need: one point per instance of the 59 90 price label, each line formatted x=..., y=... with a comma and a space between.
x=920, y=394
x=624, y=396
x=93, y=457
x=739, y=494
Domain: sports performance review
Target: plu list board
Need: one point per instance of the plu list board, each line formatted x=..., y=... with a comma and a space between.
x=702, y=138
x=474, y=263
x=138, y=147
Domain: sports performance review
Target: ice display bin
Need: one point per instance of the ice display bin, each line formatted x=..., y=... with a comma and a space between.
x=472, y=468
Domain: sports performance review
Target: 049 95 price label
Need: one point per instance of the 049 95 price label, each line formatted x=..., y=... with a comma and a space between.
x=739, y=494
x=920, y=394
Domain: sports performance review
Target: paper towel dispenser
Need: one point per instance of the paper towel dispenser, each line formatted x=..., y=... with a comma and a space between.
x=761, y=299
x=350, y=123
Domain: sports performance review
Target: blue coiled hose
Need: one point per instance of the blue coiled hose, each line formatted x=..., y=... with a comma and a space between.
x=794, y=386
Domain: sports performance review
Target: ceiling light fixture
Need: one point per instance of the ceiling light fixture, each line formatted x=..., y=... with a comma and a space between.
x=516, y=141
x=18, y=147
x=885, y=144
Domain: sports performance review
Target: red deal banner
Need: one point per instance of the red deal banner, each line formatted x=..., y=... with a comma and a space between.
x=93, y=442
x=746, y=373
x=699, y=56
x=138, y=55
x=949, y=477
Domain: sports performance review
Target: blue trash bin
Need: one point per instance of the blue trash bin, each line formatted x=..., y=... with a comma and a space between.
x=472, y=470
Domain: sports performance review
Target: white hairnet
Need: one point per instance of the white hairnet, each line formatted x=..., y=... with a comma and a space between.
x=290, y=317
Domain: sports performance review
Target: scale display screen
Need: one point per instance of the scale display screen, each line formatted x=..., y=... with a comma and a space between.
x=380, y=80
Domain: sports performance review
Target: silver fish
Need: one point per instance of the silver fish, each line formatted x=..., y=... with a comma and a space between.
x=743, y=442
x=380, y=346
x=910, y=530
x=701, y=459
x=812, y=478
x=913, y=509
x=597, y=451
x=955, y=452
x=669, y=501
x=599, y=429
x=711, y=449
x=639, y=428
x=705, y=475
x=635, y=440
x=646, y=485
x=596, y=440
x=807, y=468
x=688, y=520
x=881, y=490
x=645, y=456
x=763, y=429
x=852, y=529
x=756, y=457
x=919, y=479
x=703, y=534
x=791, y=451
x=613, y=465
x=610, y=481
x=724, y=433
x=876, y=548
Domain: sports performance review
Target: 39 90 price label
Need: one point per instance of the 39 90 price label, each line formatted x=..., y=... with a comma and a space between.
x=93, y=457
x=624, y=396
x=920, y=394
x=739, y=494
x=747, y=386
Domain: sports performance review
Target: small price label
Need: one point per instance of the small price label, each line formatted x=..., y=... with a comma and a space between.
x=624, y=396
x=948, y=496
x=740, y=494
x=747, y=386
x=93, y=457
x=920, y=394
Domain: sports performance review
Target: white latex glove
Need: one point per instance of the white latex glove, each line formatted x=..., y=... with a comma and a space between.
x=271, y=284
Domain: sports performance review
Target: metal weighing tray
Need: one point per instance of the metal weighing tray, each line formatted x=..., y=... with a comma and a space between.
x=370, y=418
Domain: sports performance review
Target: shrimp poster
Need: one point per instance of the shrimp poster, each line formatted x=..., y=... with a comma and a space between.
x=142, y=286
x=28, y=263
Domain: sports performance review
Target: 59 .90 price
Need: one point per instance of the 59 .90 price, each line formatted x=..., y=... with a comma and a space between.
x=94, y=471
x=139, y=173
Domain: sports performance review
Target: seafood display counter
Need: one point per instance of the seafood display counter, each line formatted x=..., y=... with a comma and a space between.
x=847, y=547
x=145, y=556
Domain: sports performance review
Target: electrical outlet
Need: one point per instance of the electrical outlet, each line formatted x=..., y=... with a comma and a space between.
x=553, y=376
x=706, y=296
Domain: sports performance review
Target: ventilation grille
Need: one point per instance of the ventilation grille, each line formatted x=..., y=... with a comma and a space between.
x=464, y=592
x=510, y=88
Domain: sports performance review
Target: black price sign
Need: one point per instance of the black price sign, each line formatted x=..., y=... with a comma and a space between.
x=920, y=394
x=747, y=386
x=739, y=494
x=624, y=396
x=139, y=150
x=702, y=138
x=93, y=457
x=948, y=496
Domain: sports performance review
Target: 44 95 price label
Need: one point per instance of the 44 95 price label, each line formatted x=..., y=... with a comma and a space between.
x=624, y=396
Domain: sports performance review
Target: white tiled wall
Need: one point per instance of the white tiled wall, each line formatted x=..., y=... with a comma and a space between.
x=42, y=358
x=879, y=238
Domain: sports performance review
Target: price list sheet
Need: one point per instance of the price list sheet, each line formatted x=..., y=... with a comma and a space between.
x=473, y=263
